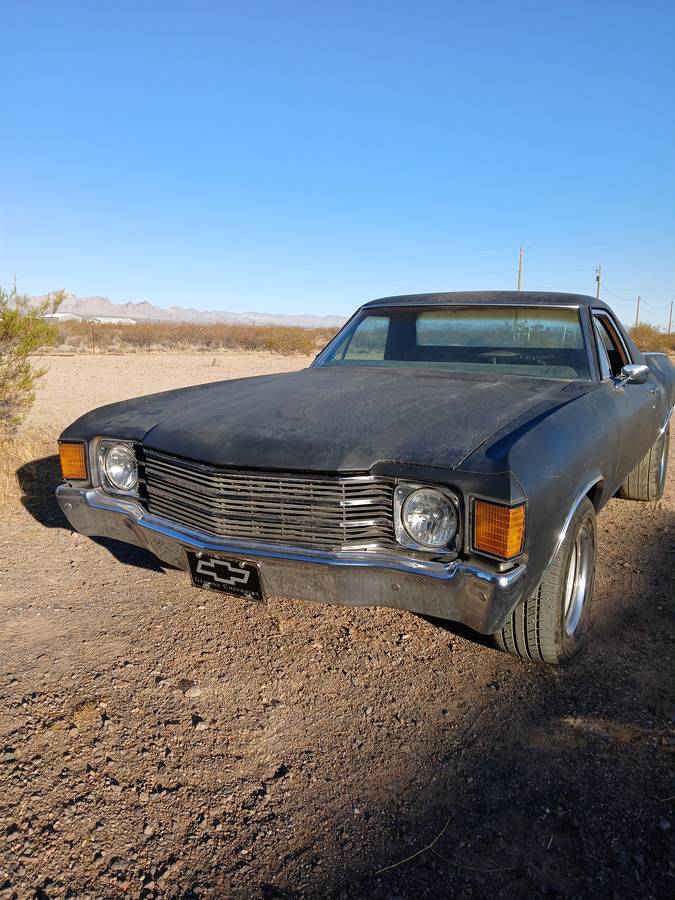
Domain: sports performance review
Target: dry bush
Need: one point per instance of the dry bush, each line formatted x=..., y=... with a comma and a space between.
x=16, y=451
x=652, y=338
x=285, y=340
x=23, y=331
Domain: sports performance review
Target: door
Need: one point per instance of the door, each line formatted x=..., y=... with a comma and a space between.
x=633, y=407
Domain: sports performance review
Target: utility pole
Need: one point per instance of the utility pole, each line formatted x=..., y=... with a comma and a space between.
x=520, y=269
x=670, y=317
x=598, y=275
x=637, y=313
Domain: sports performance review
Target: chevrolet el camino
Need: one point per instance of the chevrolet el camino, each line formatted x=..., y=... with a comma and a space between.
x=445, y=454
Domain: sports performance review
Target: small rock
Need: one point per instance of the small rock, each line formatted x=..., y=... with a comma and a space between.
x=201, y=726
x=193, y=691
x=148, y=831
x=664, y=824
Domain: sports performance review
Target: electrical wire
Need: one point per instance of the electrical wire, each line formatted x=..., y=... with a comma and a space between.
x=644, y=302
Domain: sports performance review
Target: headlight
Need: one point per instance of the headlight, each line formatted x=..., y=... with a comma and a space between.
x=117, y=467
x=424, y=517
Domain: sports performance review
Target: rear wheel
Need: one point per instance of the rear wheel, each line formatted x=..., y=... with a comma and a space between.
x=552, y=624
x=648, y=478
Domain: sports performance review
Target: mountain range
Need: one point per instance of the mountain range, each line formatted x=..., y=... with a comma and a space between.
x=144, y=311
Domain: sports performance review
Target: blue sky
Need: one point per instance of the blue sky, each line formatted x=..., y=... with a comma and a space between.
x=306, y=157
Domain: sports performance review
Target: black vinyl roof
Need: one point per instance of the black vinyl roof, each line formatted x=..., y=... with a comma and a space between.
x=515, y=298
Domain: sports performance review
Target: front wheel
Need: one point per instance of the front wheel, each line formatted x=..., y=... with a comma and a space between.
x=552, y=624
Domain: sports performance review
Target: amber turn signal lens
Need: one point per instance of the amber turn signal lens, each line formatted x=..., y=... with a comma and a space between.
x=73, y=462
x=498, y=530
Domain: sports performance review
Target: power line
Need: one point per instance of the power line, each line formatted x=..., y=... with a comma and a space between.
x=632, y=300
x=651, y=290
x=651, y=306
x=625, y=299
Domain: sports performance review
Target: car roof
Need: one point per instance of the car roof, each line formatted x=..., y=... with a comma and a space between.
x=510, y=298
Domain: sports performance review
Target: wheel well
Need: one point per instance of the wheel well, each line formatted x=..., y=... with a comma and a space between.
x=595, y=494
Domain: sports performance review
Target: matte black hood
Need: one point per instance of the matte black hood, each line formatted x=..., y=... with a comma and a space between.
x=324, y=419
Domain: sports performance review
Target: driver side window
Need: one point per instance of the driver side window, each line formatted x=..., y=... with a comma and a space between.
x=611, y=353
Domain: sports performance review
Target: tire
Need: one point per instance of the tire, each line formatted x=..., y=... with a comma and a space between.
x=648, y=479
x=551, y=625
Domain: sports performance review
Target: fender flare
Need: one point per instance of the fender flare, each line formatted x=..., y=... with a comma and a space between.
x=570, y=515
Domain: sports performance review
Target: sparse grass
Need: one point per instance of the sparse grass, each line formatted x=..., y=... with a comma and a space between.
x=154, y=336
x=16, y=451
x=281, y=339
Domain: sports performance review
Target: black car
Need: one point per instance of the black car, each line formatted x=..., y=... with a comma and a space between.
x=445, y=454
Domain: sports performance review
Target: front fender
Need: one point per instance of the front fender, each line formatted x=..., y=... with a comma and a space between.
x=558, y=459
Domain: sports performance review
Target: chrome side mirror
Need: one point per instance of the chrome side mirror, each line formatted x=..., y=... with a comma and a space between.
x=634, y=374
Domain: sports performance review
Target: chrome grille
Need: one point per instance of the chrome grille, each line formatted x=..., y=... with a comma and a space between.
x=318, y=511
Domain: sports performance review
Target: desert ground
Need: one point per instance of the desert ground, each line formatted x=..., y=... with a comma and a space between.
x=160, y=741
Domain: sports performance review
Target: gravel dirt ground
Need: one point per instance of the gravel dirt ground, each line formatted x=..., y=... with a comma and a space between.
x=159, y=741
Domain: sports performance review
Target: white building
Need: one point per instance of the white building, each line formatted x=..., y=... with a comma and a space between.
x=55, y=318
x=111, y=320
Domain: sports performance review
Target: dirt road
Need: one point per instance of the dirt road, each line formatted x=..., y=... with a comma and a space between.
x=158, y=741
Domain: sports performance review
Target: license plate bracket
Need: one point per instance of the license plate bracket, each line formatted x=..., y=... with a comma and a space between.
x=229, y=575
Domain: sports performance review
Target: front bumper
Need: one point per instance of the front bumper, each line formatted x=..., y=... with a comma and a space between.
x=457, y=591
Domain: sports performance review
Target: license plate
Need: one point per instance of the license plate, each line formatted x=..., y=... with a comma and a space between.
x=232, y=576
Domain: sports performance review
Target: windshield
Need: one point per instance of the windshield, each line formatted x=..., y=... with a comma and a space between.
x=515, y=340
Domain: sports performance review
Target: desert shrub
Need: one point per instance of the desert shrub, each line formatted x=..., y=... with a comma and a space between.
x=285, y=340
x=289, y=341
x=651, y=337
x=23, y=330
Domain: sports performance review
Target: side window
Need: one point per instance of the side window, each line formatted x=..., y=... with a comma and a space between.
x=369, y=340
x=610, y=349
x=605, y=367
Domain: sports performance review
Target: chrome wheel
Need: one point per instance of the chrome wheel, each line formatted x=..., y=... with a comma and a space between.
x=578, y=579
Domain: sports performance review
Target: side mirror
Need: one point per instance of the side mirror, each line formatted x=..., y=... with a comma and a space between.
x=634, y=374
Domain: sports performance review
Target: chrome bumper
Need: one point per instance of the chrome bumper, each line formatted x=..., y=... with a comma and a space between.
x=457, y=591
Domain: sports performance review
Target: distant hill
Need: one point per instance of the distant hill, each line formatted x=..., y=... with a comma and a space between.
x=144, y=311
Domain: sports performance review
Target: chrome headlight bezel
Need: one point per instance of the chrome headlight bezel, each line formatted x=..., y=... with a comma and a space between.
x=402, y=493
x=103, y=449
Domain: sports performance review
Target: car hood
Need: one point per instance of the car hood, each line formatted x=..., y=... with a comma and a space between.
x=324, y=419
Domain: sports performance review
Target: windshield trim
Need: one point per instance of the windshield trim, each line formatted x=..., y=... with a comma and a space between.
x=465, y=304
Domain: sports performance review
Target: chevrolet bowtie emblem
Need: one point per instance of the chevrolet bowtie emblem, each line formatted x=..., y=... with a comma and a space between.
x=210, y=567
